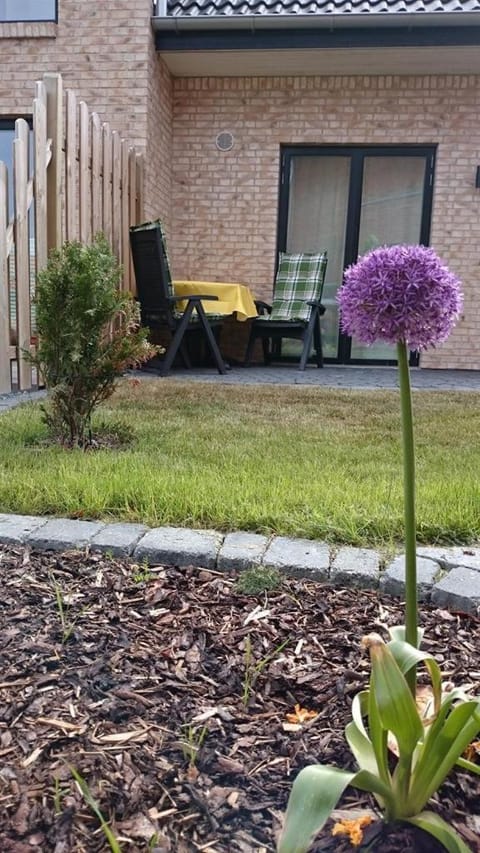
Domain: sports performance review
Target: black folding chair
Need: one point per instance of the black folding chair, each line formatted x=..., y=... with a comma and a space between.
x=158, y=303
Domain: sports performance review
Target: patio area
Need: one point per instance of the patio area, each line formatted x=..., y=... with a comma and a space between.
x=331, y=376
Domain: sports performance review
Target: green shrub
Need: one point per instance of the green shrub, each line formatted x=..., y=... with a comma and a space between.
x=88, y=335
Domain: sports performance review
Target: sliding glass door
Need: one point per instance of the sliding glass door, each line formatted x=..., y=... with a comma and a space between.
x=347, y=201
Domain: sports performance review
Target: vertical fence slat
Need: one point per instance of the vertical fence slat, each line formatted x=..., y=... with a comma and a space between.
x=4, y=288
x=22, y=250
x=54, y=88
x=107, y=182
x=96, y=187
x=40, y=172
x=126, y=282
x=84, y=176
x=71, y=167
x=116, y=205
x=139, y=183
x=132, y=190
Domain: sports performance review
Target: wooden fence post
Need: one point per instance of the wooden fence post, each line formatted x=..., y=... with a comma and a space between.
x=71, y=198
x=5, y=381
x=96, y=187
x=116, y=190
x=107, y=182
x=139, y=181
x=22, y=250
x=54, y=89
x=126, y=282
x=85, y=177
x=40, y=161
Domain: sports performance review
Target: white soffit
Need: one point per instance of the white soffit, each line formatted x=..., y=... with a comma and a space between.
x=352, y=61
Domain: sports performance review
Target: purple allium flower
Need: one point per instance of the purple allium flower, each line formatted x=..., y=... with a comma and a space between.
x=400, y=294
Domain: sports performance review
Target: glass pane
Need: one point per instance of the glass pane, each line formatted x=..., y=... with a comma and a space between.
x=391, y=213
x=317, y=219
x=6, y=141
x=27, y=10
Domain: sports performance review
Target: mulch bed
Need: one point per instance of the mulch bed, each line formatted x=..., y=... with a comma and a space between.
x=120, y=673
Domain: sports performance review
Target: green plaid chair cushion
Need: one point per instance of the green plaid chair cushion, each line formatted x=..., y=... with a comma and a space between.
x=299, y=280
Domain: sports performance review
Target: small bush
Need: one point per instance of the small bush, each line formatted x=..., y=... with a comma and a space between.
x=88, y=335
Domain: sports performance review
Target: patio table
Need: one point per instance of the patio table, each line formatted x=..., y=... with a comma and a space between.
x=233, y=298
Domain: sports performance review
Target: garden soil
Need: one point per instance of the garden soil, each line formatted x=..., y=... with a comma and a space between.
x=163, y=701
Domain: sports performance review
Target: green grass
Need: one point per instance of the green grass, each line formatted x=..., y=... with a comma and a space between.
x=313, y=462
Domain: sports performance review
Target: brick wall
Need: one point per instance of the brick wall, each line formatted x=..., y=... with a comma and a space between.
x=105, y=53
x=158, y=170
x=224, y=204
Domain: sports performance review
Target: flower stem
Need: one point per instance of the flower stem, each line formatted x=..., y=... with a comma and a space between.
x=409, y=505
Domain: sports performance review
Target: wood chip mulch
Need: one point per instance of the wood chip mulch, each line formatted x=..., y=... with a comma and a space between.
x=168, y=692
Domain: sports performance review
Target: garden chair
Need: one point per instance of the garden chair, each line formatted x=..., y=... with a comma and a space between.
x=295, y=311
x=158, y=303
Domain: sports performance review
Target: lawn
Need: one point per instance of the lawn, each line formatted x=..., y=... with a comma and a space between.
x=314, y=462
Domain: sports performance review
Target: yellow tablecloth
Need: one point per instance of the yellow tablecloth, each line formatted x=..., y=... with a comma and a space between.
x=232, y=298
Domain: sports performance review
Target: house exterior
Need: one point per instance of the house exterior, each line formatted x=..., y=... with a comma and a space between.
x=274, y=125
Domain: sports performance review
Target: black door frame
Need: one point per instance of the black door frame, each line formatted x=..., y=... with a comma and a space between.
x=357, y=155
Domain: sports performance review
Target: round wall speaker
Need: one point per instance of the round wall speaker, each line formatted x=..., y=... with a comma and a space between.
x=224, y=141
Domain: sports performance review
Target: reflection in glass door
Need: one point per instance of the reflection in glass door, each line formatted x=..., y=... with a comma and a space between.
x=348, y=201
x=317, y=220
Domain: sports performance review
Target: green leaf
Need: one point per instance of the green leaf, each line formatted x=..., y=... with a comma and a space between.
x=93, y=805
x=361, y=747
x=436, y=826
x=407, y=656
x=397, y=632
x=396, y=706
x=366, y=781
x=379, y=738
x=468, y=765
x=360, y=709
x=315, y=793
x=369, y=748
x=446, y=741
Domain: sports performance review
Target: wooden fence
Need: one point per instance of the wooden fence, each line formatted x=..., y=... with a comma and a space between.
x=72, y=177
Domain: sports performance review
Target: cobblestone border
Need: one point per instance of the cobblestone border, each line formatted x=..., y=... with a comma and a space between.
x=447, y=577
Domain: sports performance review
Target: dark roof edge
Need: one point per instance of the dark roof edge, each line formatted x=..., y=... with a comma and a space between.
x=257, y=22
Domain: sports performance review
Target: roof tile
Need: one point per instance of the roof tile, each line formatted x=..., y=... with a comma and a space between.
x=316, y=7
